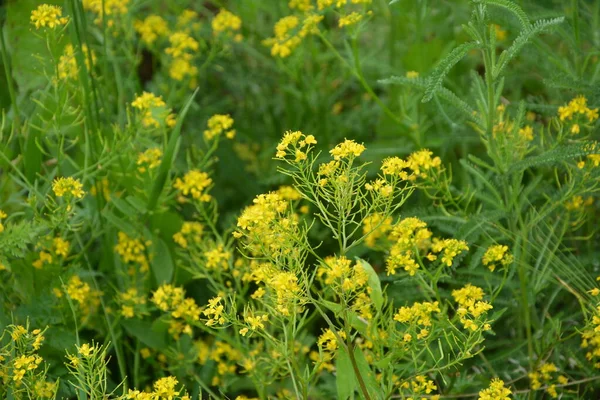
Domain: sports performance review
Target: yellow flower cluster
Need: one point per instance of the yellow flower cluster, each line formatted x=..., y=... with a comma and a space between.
x=375, y=227
x=66, y=187
x=295, y=143
x=300, y=5
x=20, y=365
x=153, y=110
x=339, y=273
x=289, y=32
x=47, y=15
x=526, y=133
x=81, y=292
x=497, y=255
x=60, y=248
x=219, y=124
x=215, y=311
x=190, y=232
x=411, y=237
x=3, y=215
x=131, y=301
x=408, y=235
x=133, y=250
x=151, y=28
x=149, y=159
x=253, y=323
x=111, y=9
x=322, y=4
x=223, y=354
x=350, y=19
x=194, y=183
x=577, y=203
x=68, y=68
x=450, y=248
x=347, y=149
x=164, y=389
x=217, y=258
x=420, y=385
x=184, y=311
x=544, y=374
x=574, y=109
x=227, y=23
x=288, y=193
x=590, y=337
x=418, y=319
x=182, y=48
x=419, y=164
x=328, y=345
x=471, y=307
x=269, y=226
x=496, y=391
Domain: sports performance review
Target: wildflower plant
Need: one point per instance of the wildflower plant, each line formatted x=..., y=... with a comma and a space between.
x=231, y=200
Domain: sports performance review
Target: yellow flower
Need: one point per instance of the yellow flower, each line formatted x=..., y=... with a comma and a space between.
x=350, y=19
x=151, y=28
x=497, y=254
x=149, y=159
x=2, y=216
x=47, y=15
x=194, y=183
x=180, y=42
x=85, y=350
x=108, y=8
x=61, y=247
x=219, y=124
x=68, y=186
x=496, y=391
x=68, y=67
x=526, y=133
x=150, y=105
x=347, y=149
x=164, y=388
x=225, y=22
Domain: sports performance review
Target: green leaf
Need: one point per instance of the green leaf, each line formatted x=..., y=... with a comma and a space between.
x=374, y=284
x=441, y=70
x=367, y=375
x=162, y=263
x=554, y=156
x=145, y=332
x=524, y=38
x=512, y=7
x=443, y=94
x=117, y=222
x=344, y=377
x=167, y=161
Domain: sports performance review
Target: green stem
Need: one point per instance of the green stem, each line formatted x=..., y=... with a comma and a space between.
x=9, y=81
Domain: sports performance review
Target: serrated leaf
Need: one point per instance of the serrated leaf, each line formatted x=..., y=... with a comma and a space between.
x=512, y=7
x=441, y=70
x=524, y=38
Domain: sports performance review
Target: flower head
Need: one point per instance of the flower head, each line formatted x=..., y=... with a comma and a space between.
x=47, y=15
x=68, y=187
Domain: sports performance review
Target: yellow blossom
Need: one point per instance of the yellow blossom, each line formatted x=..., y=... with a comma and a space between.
x=47, y=15
x=68, y=187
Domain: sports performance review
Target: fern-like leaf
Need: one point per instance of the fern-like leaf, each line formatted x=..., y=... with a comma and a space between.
x=513, y=8
x=524, y=38
x=443, y=94
x=441, y=70
x=554, y=156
